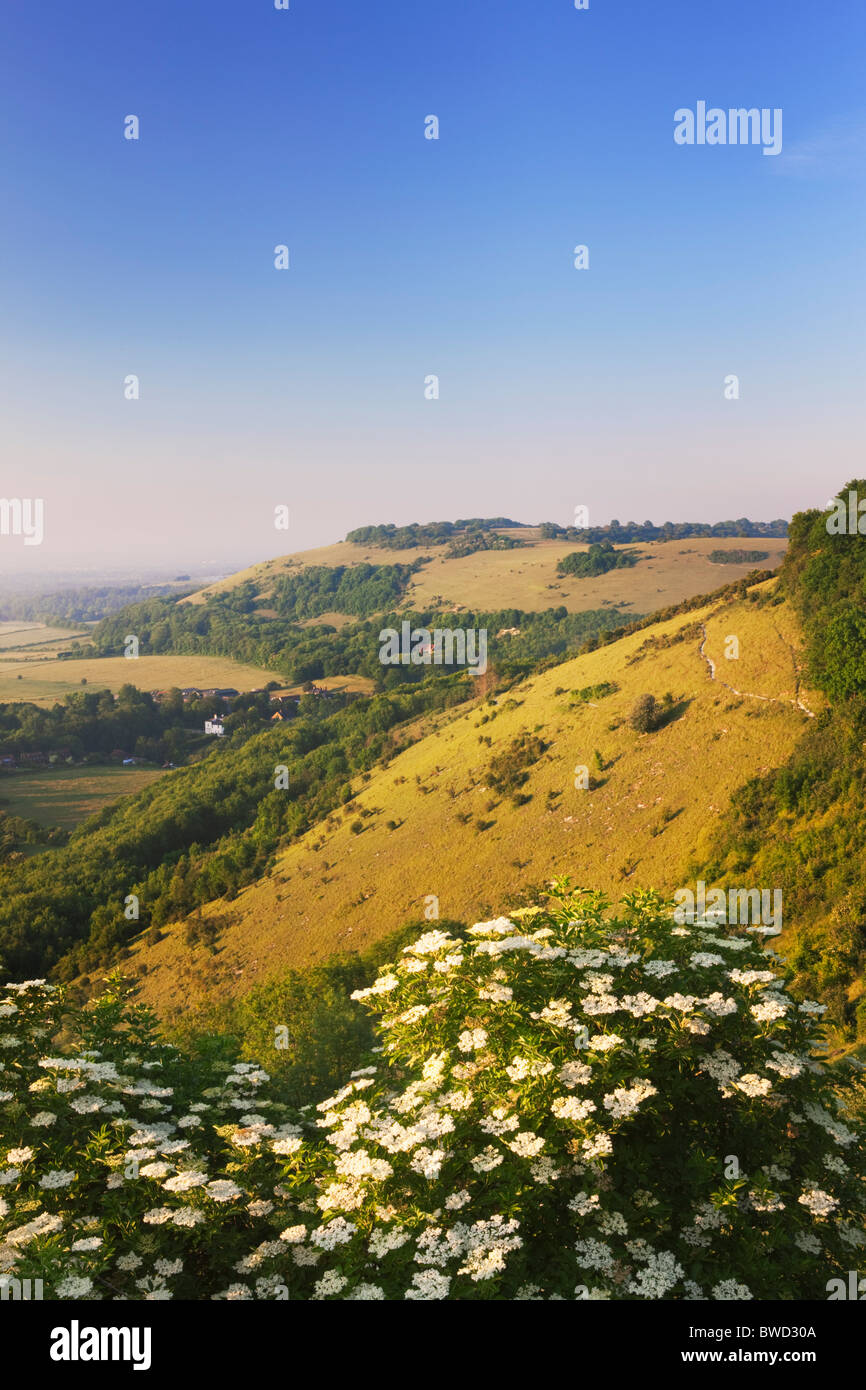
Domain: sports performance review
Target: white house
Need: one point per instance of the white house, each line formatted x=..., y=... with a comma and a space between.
x=214, y=725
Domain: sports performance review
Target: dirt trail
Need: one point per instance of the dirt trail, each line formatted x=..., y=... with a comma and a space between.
x=747, y=694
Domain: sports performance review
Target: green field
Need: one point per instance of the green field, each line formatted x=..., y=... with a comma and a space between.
x=67, y=795
x=43, y=682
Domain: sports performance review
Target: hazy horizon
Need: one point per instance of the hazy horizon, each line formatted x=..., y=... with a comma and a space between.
x=113, y=571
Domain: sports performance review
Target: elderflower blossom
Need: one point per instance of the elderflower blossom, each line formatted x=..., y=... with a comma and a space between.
x=223, y=1190
x=427, y=1162
x=730, y=1289
x=681, y=1003
x=570, y=1108
x=384, y=984
x=471, y=1039
x=808, y=1242
x=75, y=1286
x=785, y=1064
x=382, y=1241
x=752, y=1085
x=816, y=1201
x=595, y=1255
x=183, y=1182
x=660, y=968
x=339, y=1231
x=624, y=1101
x=496, y=993
x=596, y=1004
x=658, y=1277
x=597, y=1147
x=584, y=1204
x=487, y=1160
x=719, y=1006
x=557, y=1012
x=44, y=1225
x=455, y=1201
x=526, y=1144
x=383, y=1155
x=574, y=1074
x=769, y=1010
x=428, y=1285
x=723, y=1068
x=56, y=1177
x=523, y=1067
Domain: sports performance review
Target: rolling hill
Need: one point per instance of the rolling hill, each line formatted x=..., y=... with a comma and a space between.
x=449, y=818
x=525, y=578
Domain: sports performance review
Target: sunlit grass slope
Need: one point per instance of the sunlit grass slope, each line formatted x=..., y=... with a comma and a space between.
x=526, y=578
x=430, y=826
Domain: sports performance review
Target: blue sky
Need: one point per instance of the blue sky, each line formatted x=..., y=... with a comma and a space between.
x=411, y=257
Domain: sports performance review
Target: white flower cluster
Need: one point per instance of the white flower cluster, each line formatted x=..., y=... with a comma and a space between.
x=501, y=1141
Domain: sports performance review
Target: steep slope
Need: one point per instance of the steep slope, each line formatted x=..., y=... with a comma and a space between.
x=433, y=825
x=804, y=827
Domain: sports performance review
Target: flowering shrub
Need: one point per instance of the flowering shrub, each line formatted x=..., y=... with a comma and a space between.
x=564, y=1106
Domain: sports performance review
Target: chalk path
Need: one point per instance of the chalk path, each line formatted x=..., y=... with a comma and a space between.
x=747, y=694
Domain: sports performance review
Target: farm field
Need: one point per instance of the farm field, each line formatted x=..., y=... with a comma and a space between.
x=65, y=796
x=526, y=578
x=430, y=823
x=32, y=635
x=46, y=681
x=361, y=685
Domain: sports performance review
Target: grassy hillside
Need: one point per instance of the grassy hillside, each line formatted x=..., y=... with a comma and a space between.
x=804, y=826
x=525, y=578
x=449, y=818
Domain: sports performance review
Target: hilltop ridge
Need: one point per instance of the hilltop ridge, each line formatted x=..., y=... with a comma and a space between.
x=525, y=577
